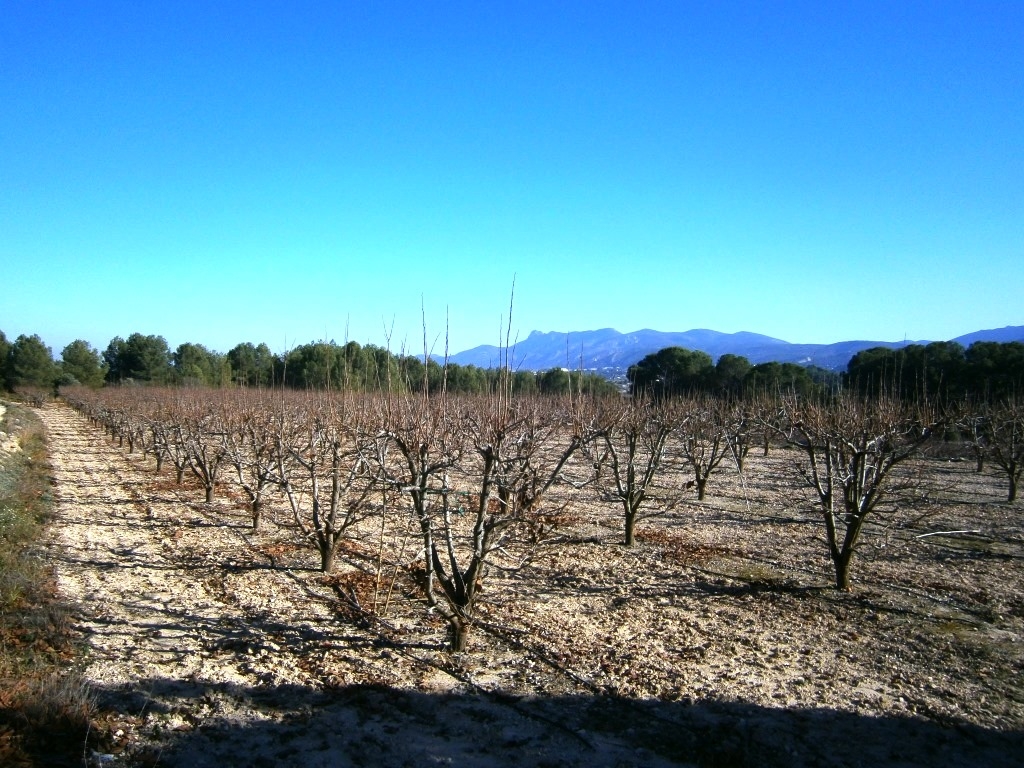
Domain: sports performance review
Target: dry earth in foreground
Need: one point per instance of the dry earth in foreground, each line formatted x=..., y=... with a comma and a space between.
x=717, y=641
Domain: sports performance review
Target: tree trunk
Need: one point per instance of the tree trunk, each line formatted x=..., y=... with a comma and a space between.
x=327, y=558
x=630, y=527
x=181, y=475
x=209, y=493
x=159, y=461
x=1013, y=487
x=257, y=510
x=842, y=563
x=460, y=634
x=702, y=484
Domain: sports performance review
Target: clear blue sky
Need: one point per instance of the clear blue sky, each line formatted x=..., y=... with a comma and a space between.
x=288, y=172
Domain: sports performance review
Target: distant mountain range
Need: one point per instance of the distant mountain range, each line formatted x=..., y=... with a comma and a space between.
x=611, y=352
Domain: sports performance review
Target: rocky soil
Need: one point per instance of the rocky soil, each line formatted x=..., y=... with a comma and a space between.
x=716, y=641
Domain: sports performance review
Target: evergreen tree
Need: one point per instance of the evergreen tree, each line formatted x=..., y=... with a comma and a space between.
x=82, y=364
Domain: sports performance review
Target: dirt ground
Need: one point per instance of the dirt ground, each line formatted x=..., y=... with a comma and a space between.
x=716, y=641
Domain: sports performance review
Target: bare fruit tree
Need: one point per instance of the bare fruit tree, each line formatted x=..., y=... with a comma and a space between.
x=632, y=436
x=739, y=421
x=766, y=416
x=851, y=447
x=538, y=438
x=325, y=465
x=252, y=429
x=1002, y=429
x=204, y=438
x=971, y=421
x=702, y=438
x=428, y=445
x=476, y=472
x=172, y=444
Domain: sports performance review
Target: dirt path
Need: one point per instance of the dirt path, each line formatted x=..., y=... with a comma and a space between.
x=211, y=645
x=154, y=627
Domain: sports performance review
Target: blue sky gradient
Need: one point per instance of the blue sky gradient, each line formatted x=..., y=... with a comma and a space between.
x=283, y=173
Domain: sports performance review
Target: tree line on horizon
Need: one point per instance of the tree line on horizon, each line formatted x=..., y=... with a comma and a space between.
x=943, y=371
x=28, y=362
x=679, y=371
x=938, y=370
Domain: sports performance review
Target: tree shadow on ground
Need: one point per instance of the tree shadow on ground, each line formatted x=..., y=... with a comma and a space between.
x=374, y=725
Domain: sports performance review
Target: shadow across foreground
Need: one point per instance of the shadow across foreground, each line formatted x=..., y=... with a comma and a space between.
x=368, y=725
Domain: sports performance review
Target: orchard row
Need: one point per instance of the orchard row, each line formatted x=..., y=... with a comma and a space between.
x=473, y=477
